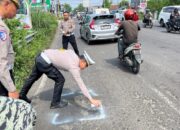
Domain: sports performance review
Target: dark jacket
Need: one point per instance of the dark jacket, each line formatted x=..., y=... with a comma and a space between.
x=130, y=31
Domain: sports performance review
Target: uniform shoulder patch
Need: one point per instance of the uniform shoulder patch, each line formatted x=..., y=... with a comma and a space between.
x=3, y=35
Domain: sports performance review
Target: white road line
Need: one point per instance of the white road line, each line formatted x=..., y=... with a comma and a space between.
x=162, y=96
x=166, y=99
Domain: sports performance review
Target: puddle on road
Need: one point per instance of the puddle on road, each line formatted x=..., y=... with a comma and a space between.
x=77, y=110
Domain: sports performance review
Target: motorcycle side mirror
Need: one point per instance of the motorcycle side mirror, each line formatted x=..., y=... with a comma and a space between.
x=121, y=31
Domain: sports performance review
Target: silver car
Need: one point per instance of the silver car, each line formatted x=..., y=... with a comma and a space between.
x=98, y=27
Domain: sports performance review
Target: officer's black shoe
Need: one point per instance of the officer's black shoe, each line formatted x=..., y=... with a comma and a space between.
x=59, y=105
x=25, y=98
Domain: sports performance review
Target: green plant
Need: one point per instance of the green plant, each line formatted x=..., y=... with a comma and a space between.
x=45, y=25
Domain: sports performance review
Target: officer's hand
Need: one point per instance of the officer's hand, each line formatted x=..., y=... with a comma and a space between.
x=96, y=103
x=14, y=94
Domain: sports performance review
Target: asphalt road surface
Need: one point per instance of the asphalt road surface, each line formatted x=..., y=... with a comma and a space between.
x=147, y=101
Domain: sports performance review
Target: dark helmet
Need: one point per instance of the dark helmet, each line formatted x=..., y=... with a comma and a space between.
x=176, y=10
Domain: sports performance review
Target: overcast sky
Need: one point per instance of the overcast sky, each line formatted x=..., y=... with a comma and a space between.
x=74, y=3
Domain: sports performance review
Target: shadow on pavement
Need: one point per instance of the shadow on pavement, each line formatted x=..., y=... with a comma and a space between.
x=117, y=63
x=173, y=32
x=100, y=42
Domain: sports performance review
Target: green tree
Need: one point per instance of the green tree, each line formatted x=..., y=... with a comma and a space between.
x=67, y=7
x=106, y=3
x=156, y=5
x=174, y=2
x=124, y=3
x=79, y=8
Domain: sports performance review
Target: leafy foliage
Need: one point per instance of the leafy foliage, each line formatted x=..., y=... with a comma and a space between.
x=45, y=24
x=106, y=4
x=79, y=8
x=67, y=7
x=156, y=5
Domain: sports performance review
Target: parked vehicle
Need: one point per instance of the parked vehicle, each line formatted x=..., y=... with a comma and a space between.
x=165, y=14
x=24, y=14
x=98, y=27
x=173, y=26
x=132, y=55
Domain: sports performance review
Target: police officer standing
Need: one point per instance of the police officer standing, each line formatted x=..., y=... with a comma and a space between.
x=8, y=9
x=67, y=27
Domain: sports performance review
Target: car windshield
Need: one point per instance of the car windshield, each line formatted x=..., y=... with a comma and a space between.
x=104, y=19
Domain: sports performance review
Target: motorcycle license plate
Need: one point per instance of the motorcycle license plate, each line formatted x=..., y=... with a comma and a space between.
x=137, y=52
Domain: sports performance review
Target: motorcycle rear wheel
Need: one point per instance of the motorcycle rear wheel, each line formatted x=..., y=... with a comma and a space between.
x=136, y=66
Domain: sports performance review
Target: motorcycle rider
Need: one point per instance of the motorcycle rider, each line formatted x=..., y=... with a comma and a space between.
x=147, y=16
x=174, y=15
x=129, y=31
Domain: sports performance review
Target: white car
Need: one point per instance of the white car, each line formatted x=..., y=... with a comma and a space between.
x=165, y=14
x=98, y=27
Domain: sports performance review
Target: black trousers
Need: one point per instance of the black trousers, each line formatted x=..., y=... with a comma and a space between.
x=70, y=39
x=3, y=90
x=42, y=67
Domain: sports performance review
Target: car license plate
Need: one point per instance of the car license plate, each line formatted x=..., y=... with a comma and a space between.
x=104, y=27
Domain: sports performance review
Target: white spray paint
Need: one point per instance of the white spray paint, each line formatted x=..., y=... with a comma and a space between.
x=101, y=115
x=55, y=120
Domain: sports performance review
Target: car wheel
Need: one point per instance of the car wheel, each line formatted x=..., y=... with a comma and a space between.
x=162, y=23
x=88, y=40
x=81, y=34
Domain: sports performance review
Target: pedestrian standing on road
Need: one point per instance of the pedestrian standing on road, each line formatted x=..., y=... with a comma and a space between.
x=8, y=9
x=67, y=27
x=49, y=62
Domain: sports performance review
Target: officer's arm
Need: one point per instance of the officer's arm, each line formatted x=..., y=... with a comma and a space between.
x=61, y=27
x=76, y=75
x=73, y=26
x=5, y=77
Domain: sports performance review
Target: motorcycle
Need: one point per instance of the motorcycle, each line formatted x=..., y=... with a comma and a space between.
x=148, y=23
x=173, y=26
x=131, y=55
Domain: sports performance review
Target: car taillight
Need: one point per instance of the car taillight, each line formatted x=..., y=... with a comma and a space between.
x=92, y=24
x=137, y=46
x=117, y=21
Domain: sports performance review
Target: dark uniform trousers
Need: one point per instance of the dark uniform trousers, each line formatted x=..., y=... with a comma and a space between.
x=3, y=90
x=42, y=67
x=70, y=39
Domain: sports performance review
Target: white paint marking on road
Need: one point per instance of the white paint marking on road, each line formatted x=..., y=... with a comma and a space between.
x=68, y=94
x=42, y=84
x=65, y=121
x=56, y=121
x=162, y=96
x=101, y=114
x=72, y=93
x=97, y=117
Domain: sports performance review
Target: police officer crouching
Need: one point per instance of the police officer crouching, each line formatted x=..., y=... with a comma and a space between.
x=50, y=62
